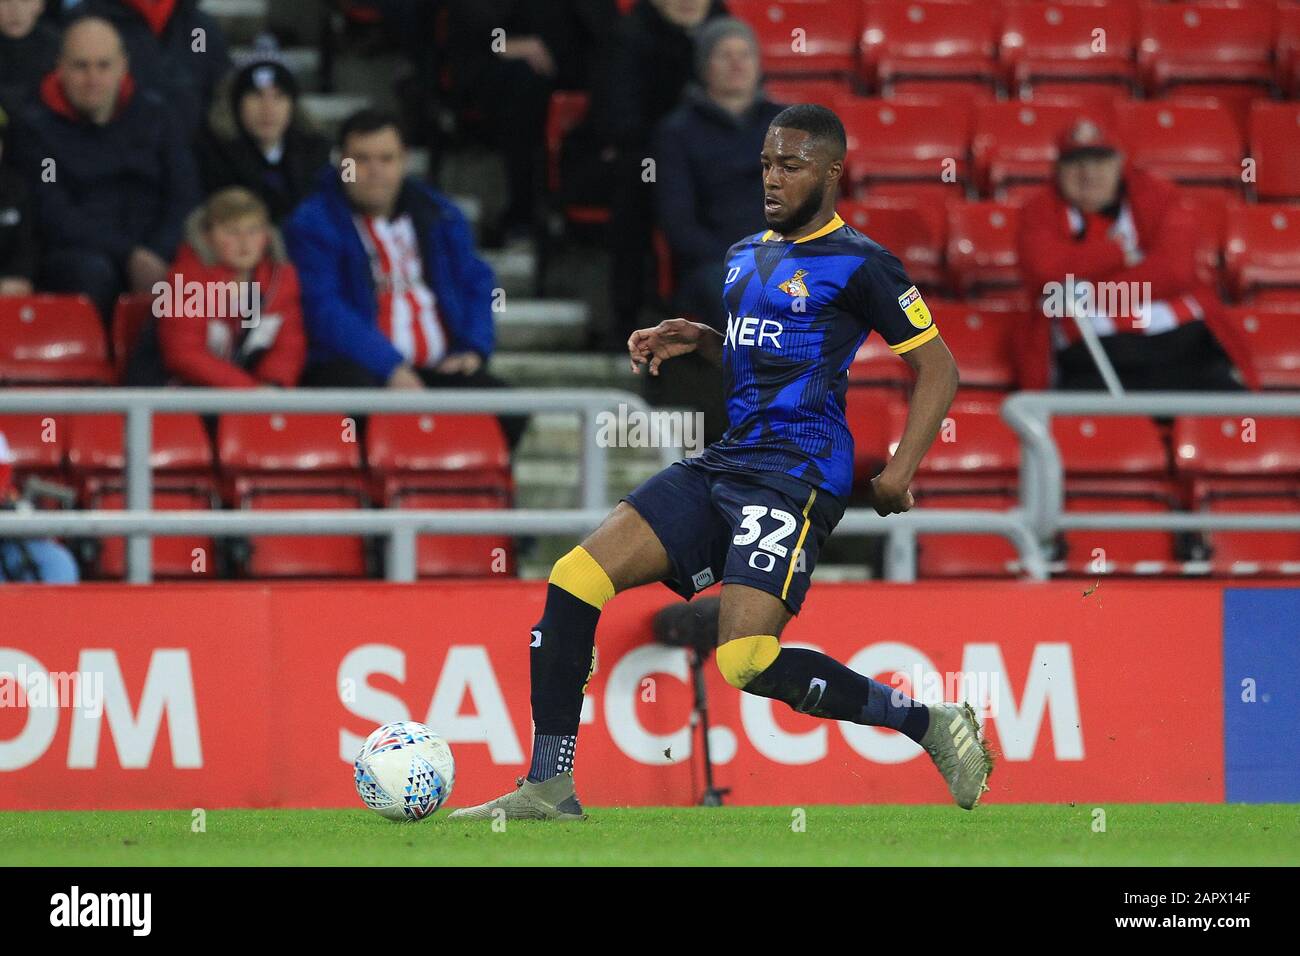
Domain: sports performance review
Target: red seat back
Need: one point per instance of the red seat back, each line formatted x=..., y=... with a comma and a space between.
x=52, y=339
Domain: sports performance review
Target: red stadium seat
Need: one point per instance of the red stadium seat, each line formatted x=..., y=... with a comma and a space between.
x=907, y=138
x=912, y=230
x=468, y=450
x=826, y=45
x=181, y=459
x=180, y=444
x=319, y=556
x=974, y=441
x=567, y=109
x=37, y=443
x=983, y=343
x=441, y=555
x=932, y=39
x=1210, y=211
x=1204, y=42
x=1262, y=248
x=1288, y=49
x=1254, y=552
x=983, y=245
x=1237, y=447
x=1016, y=142
x=790, y=91
x=1273, y=340
x=1189, y=143
x=130, y=315
x=50, y=340
x=1096, y=552
x=174, y=557
x=292, y=462
x=317, y=443
x=874, y=416
x=965, y=94
x=1057, y=41
x=965, y=555
x=1275, y=147
x=876, y=364
x=1110, y=445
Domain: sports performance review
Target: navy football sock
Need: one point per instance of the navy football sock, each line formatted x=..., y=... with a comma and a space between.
x=561, y=659
x=812, y=683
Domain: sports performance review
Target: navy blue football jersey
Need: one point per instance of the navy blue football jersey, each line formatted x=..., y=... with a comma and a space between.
x=797, y=312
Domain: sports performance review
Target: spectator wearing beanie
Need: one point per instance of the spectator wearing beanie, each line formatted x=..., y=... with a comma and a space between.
x=257, y=138
x=160, y=40
x=28, y=51
x=708, y=196
x=709, y=192
x=1103, y=225
x=229, y=244
x=112, y=213
x=17, y=227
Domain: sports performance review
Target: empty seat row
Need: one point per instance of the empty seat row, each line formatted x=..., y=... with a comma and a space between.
x=287, y=462
x=969, y=248
x=1153, y=45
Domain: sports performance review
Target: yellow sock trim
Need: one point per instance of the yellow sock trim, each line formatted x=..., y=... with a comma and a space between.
x=579, y=574
x=745, y=658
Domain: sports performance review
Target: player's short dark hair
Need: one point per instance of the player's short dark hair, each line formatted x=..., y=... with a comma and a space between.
x=369, y=120
x=819, y=122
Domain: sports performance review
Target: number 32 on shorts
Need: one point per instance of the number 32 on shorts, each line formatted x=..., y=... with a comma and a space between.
x=763, y=558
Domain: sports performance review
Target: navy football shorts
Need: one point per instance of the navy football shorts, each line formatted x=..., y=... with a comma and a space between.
x=761, y=530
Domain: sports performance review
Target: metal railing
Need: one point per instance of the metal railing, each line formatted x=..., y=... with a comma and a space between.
x=139, y=406
x=1042, y=474
x=1030, y=528
x=399, y=528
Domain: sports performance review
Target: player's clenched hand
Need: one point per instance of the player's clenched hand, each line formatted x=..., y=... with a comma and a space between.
x=889, y=497
x=667, y=339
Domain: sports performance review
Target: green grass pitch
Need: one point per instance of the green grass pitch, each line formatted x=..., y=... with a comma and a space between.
x=1037, y=834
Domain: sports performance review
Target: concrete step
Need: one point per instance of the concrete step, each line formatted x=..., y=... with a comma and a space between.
x=240, y=20
x=514, y=269
x=554, y=484
x=531, y=324
x=470, y=206
x=303, y=61
x=329, y=110
x=564, y=369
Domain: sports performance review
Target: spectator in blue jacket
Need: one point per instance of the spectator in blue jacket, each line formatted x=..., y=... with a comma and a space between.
x=111, y=171
x=394, y=294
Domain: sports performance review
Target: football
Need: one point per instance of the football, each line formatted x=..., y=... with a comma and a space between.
x=405, y=771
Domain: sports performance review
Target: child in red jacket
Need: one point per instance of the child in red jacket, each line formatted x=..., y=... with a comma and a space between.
x=231, y=315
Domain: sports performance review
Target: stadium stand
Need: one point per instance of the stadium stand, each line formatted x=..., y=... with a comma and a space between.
x=952, y=109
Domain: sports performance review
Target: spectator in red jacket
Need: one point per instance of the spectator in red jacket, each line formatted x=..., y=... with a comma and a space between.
x=1115, y=247
x=231, y=314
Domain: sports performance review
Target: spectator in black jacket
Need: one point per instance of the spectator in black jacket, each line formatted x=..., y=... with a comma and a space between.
x=174, y=48
x=651, y=59
x=112, y=173
x=508, y=77
x=709, y=195
x=28, y=49
x=709, y=191
x=17, y=232
x=257, y=138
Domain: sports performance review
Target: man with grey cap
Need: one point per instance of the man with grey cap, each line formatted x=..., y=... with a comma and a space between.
x=708, y=184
